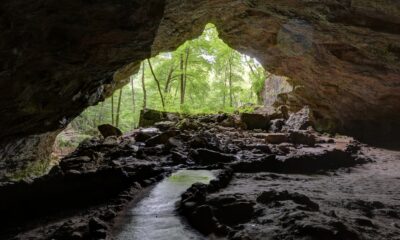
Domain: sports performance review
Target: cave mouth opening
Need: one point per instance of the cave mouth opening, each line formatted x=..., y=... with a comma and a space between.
x=203, y=75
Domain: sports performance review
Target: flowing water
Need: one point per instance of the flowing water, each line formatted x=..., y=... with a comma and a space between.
x=155, y=216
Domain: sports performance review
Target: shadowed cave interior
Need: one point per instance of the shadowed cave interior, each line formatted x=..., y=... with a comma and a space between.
x=229, y=119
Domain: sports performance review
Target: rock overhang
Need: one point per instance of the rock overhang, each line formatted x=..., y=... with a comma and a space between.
x=59, y=57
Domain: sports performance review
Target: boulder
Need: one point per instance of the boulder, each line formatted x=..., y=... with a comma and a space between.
x=107, y=130
x=236, y=212
x=165, y=125
x=255, y=121
x=149, y=117
x=161, y=138
x=203, y=219
x=302, y=137
x=277, y=125
x=300, y=120
x=143, y=134
x=205, y=156
x=187, y=124
x=276, y=138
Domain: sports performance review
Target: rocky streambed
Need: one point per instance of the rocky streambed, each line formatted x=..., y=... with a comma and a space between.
x=277, y=179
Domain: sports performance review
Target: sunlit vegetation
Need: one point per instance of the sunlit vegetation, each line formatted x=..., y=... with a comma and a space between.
x=203, y=75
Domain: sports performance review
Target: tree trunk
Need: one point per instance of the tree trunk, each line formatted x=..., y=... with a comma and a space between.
x=158, y=84
x=112, y=109
x=230, y=83
x=169, y=78
x=224, y=89
x=182, y=82
x=133, y=102
x=186, y=66
x=100, y=119
x=118, y=108
x=144, y=88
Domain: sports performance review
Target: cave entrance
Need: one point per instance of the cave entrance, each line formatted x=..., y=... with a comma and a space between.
x=203, y=75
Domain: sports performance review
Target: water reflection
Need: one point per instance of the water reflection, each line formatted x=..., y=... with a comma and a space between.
x=154, y=217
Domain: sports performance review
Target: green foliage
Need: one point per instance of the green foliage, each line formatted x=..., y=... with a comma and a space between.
x=211, y=65
x=34, y=169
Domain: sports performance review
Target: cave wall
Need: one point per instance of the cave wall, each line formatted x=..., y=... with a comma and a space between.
x=58, y=57
x=341, y=56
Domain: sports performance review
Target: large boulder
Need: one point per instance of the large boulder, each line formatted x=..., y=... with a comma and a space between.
x=205, y=156
x=300, y=120
x=255, y=121
x=107, y=130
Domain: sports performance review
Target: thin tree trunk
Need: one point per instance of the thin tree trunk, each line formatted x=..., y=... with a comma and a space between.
x=100, y=118
x=112, y=109
x=169, y=78
x=118, y=108
x=251, y=68
x=158, y=84
x=224, y=90
x=133, y=102
x=230, y=83
x=182, y=82
x=144, y=88
x=186, y=66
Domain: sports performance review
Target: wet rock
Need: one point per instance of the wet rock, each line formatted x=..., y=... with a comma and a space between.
x=273, y=196
x=187, y=124
x=255, y=121
x=175, y=142
x=205, y=156
x=96, y=224
x=165, y=125
x=325, y=230
x=108, y=215
x=149, y=117
x=196, y=193
x=277, y=125
x=72, y=229
x=111, y=140
x=203, y=219
x=108, y=130
x=276, y=138
x=265, y=163
x=316, y=159
x=178, y=157
x=364, y=222
x=232, y=211
x=302, y=137
x=144, y=134
x=99, y=234
x=258, y=146
x=366, y=207
x=161, y=138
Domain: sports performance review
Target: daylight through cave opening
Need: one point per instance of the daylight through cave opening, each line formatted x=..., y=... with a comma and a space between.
x=203, y=75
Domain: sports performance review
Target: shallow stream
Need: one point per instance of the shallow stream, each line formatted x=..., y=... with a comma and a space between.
x=155, y=217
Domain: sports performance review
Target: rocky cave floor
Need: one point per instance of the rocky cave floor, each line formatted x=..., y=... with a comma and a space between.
x=284, y=182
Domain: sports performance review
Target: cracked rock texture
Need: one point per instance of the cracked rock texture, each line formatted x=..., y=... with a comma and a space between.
x=58, y=57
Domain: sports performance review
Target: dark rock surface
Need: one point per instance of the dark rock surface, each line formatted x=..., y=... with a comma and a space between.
x=107, y=130
x=255, y=121
x=306, y=185
x=357, y=203
x=61, y=56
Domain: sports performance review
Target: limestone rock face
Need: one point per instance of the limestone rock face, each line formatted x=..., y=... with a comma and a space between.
x=60, y=56
x=341, y=57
